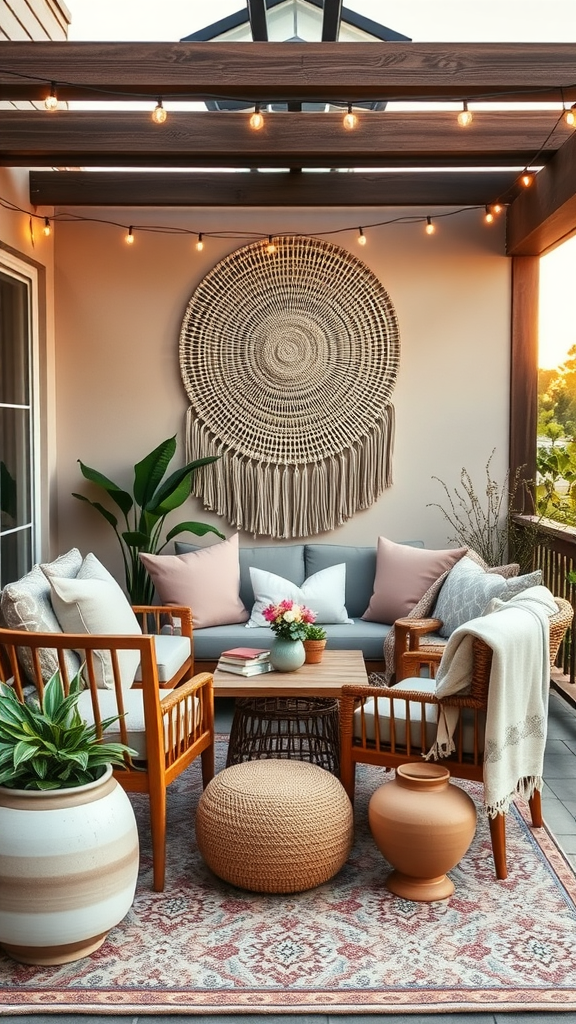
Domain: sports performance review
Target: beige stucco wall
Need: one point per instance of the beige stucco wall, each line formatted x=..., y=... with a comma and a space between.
x=119, y=391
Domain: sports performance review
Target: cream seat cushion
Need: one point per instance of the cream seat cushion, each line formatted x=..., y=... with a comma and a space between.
x=171, y=653
x=134, y=717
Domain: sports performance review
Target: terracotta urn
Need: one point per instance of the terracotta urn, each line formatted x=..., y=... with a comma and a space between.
x=287, y=655
x=314, y=651
x=423, y=824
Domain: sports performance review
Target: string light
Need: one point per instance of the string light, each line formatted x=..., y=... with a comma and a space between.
x=527, y=179
x=350, y=120
x=430, y=228
x=256, y=121
x=47, y=229
x=496, y=208
x=465, y=116
x=570, y=116
x=270, y=248
x=361, y=237
x=159, y=115
x=200, y=243
x=51, y=101
x=489, y=216
x=130, y=236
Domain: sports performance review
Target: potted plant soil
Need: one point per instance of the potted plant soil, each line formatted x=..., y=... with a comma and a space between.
x=68, y=839
x=314, y=644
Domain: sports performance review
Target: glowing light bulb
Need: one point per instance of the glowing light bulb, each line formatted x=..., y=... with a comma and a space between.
x=47, y=230
x=199, y=243
x=350, y=120
x=430, y=228
x=361, y=237
x=489, y=217
x=270, y=247
x=159, y=115
x=527, y=179
x=256, y=122
x=51, y=101
x=496, y=208
x=465, y=116
x=570, y=116
x=130, y=236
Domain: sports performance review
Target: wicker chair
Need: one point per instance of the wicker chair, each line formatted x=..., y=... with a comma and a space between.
x=169, y=722
x=390, y=732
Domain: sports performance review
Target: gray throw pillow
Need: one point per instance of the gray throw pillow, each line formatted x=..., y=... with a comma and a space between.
x=467, y=590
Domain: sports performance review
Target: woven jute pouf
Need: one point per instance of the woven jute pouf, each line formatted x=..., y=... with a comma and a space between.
x=274, y=826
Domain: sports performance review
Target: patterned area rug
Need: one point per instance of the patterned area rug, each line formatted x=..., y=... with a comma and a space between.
x=348, y=946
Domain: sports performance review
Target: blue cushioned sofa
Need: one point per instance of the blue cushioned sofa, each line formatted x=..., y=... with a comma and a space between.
x=296, y=562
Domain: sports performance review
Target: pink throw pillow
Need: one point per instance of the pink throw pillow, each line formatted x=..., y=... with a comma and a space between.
x=403, y=575
x=207, y=581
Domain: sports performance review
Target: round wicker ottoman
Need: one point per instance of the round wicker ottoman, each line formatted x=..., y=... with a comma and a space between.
x=274, y=825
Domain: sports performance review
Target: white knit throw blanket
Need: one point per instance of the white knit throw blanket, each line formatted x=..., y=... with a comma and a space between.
x=518, y=631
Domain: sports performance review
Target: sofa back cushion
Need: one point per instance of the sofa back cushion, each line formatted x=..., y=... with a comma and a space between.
x=285, y=560
x=403, y=576
x=360, y=569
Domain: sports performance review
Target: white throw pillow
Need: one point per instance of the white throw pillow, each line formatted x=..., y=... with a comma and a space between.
x=94, y=603
x=323, y=593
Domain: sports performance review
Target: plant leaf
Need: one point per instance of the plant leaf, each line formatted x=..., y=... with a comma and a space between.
x=199, y=529
x=172, y=483
x=109, y=516
x=122, y=498
x=149, y=472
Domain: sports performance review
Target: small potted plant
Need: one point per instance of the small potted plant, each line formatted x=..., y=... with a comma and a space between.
x=288, y=621
x=314, y=643
x=61, y=809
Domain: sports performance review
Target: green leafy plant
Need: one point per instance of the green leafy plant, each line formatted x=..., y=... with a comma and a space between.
x=145, y=511
x=314, y=632
x=49, y=745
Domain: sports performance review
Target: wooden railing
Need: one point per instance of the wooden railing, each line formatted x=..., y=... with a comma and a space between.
x=554, y=552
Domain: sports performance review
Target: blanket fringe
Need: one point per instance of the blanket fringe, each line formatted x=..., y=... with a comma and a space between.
x=525, y=789
x=291, y=500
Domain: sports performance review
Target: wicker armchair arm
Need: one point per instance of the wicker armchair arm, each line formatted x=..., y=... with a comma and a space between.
x=188, y=689
x=407, y=633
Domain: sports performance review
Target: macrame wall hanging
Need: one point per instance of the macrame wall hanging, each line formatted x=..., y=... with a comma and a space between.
x=289, y=360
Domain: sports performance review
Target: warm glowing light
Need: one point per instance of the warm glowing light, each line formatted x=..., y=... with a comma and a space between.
x=361, y=237
x=256, y=122
x=130, y=236
x=489, y=216
x=527, y=179
x=465, y=116
x=570, y=116
x=270, y=247
x=496, y=208
x=350, y=120
x=430, y=228
x=159, y=115
x=199, y=243
x=47, y=229
x=51, y=101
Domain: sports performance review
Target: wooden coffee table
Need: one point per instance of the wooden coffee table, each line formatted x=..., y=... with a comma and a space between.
x=324, y=680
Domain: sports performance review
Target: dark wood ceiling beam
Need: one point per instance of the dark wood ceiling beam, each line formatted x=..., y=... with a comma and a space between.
x=258, y=23
x=195, y=139
x=111, y=188
x=545, y=214
x=289, y=71
x=331, y=18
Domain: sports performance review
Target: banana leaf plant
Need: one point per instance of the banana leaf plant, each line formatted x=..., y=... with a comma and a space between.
x=145, y=510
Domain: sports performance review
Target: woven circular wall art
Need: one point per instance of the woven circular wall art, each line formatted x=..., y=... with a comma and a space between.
x=289, y=360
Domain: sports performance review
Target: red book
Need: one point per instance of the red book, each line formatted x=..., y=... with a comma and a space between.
x=246, y=653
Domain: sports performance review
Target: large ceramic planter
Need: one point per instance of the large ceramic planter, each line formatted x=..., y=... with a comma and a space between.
x=314, y=650
x=68, y=869
x=287, y=655
x=423, y=825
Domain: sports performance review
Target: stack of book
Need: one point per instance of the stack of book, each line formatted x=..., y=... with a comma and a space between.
x=245, y=661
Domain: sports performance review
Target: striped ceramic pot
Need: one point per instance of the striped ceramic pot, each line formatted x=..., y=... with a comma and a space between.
x=68, y=868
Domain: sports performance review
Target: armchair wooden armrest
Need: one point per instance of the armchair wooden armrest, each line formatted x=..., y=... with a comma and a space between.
x=177, y=617
x=407, y=634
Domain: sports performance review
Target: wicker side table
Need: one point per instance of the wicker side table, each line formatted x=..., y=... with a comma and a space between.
x=302, y=728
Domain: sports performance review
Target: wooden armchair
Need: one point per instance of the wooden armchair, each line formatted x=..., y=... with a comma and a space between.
x=389, y=726
x=169, y=721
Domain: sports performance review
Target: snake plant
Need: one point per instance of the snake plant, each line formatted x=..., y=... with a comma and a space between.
x=145, y=511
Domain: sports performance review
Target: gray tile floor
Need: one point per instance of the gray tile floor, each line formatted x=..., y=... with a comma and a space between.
x=559, y=801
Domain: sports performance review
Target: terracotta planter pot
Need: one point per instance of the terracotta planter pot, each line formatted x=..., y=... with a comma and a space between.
x=423, y=825
x=68, y=869
x=314, y=651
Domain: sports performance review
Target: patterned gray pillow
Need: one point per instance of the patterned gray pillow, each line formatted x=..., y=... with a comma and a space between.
x=26, y=605
x=468, y=589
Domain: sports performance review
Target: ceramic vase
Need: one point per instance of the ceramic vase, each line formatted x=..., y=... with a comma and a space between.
x=287, y=655
x=423, y=825
x=68, y=869
x=314, y=650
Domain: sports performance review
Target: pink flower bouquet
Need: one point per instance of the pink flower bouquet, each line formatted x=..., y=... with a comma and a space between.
x=288, y=620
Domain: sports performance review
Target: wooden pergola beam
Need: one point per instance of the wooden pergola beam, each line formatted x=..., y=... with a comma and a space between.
x=202, y=139
x=264, y=71
x=546, y=213
x=125, y=188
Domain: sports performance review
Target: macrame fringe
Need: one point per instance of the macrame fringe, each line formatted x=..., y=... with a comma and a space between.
x=285, y=501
